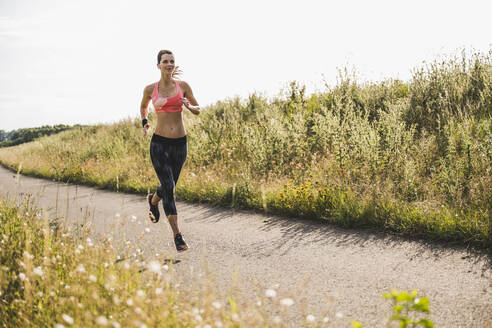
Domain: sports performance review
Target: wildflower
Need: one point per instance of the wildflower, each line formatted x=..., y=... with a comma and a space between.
x=68, y=319
x=207, y=326
x=270, y=293
x=59, y=325
x=116, y=300
x=140, y=293
x=218, y=324
x=287, y=302
x=299, y=166
x=52, y=293
x=134, y=218
x=81, y=268
x=102, y=321
x=216, y=305
x=291, y=163
x=198, y=318
x=92, y=278
x=127, y=266
x=277, y=319
x=165, y=267
x=22, y=264
x=22, y=276
x=138, y=310
x=158, y=291
x=258, y=303
x=417, y=300
x=273, y=162
x=235, y=317
x=325, y=319
x=310, y=318
x=106, y=264
x=117, y=215
x=37, y=271
x=339, y=315
x=116, y=324
x=80, y=247
x=154, y=266
x=79, y=305
x=129, y=302
x=29, y=256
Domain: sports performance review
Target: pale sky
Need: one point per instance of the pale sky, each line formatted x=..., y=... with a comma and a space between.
x=86, y=62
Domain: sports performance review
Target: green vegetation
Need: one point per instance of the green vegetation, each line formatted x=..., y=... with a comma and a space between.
x=413, y=158
x=19, y=136
x=54, y=276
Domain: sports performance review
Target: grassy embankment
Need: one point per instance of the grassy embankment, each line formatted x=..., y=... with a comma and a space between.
x=53, y=275
x=413, y=157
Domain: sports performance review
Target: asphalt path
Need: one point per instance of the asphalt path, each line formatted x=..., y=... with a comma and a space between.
x=326, y=270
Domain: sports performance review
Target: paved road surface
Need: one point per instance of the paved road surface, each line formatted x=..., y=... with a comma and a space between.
x=327, y=269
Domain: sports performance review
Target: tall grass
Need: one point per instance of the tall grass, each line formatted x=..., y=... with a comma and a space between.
x=52, y=275
x=411, y=157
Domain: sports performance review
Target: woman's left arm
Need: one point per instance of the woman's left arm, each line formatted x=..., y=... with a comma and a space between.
x=189, y=100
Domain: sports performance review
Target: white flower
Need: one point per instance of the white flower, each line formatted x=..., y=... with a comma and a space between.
x=22, y=264
x=22, y=276
x=116, y=324
x=258, y=303
x=325, y=319
x=134, y=218
x=277, y=319
x=235, y=317
x=127, y=266
x=147, y=230
x=270, y=293
x=102, y=321
x=106, y=264
x=310, y=318
x=218, y=324
x=207, y=326
x=140, y=293
x=287, y=302
x=158, y=290
x=154, y=266
x=417, y=300
x=92, y=278
x=81, y=268
x=38, y=271
x=68, y=319
x=59, y=325
x=80, y=247
x=216, y=305
x=129, y=302
x=198, y=318
x=339, y=315
x=29, y=256
x=138, y=310
x=117, y=215
x=165, y=267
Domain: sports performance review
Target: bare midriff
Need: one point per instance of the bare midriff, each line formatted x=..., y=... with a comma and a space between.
x=170, y=125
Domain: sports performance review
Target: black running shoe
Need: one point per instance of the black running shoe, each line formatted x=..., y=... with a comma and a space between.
x=153, y=210
x=180, y=243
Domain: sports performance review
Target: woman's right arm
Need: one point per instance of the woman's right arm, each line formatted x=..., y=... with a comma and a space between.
x=147, y=96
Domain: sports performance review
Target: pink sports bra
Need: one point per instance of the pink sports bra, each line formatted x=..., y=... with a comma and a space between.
x=167, y=105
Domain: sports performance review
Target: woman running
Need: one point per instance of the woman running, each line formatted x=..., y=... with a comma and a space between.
x=168, y=147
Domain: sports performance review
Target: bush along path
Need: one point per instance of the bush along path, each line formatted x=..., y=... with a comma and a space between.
x=413, y=158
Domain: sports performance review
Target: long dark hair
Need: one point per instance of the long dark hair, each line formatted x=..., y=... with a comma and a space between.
x=176, y=71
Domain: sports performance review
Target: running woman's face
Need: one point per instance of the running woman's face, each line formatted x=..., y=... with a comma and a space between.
x=167, y=63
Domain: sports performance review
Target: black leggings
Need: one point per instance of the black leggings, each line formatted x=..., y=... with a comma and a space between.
x=168, y=156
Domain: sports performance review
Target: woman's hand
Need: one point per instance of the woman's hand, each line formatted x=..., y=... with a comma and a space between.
x=146, y=129
x=194, y=109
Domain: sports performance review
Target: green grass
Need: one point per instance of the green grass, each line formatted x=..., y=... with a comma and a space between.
x=413, y=158
x=53, y=275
